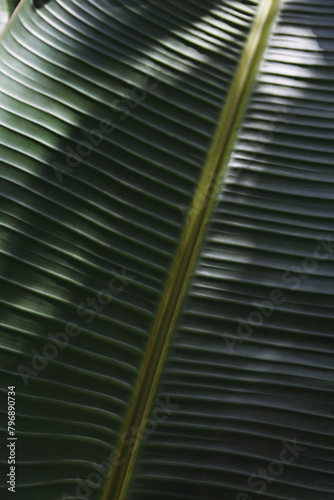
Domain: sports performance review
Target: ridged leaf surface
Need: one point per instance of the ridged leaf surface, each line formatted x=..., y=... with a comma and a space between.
x=166, y=249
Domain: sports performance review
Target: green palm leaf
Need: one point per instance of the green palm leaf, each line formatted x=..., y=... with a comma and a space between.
x=166, y=307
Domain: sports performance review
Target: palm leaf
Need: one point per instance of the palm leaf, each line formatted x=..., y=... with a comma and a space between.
x=166, y=249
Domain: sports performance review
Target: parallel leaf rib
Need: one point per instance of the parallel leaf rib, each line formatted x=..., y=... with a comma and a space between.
x=189, y=247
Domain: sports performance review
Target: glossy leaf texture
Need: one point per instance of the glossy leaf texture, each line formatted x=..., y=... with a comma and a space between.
x=251, y=363
x=109, y=112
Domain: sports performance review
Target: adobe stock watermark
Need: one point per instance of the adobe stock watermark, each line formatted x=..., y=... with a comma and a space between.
x=278, y=122
x=288, y=455
x=94, y=138
x=292, y=280
x=94, y=480
x=58, y=342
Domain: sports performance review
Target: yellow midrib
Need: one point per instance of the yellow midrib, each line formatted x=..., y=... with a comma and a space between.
x=189, y=247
